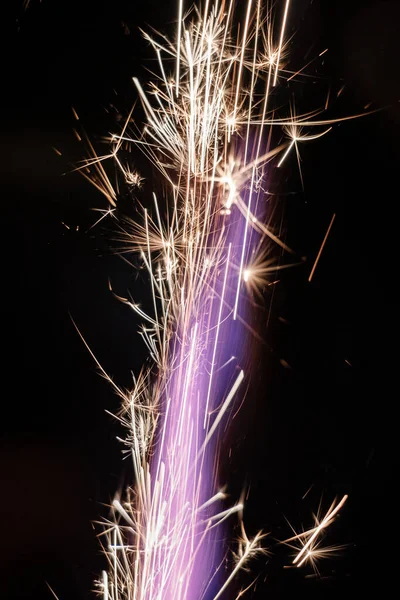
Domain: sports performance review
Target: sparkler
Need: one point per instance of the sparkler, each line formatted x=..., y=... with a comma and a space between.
x=210, y=132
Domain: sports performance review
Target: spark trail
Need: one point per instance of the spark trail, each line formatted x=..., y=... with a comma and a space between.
x=210, y=131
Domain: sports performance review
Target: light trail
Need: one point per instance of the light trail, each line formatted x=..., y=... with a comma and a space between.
x=321, y=248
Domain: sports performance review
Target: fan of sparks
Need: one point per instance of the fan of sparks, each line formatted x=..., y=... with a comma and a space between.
x=212, y=133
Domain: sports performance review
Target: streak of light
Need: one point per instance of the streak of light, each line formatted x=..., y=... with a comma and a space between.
x=321, y=248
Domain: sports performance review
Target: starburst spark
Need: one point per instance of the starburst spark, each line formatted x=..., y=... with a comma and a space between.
x=205, y=132
x=312, y=549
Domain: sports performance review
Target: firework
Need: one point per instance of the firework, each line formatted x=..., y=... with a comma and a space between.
x=211, y=131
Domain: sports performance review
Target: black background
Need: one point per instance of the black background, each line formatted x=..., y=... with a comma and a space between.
x=321, y=422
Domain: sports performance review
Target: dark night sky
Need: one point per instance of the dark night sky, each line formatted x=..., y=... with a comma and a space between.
x=321, y=422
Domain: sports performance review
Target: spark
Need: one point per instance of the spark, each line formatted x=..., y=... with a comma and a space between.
x=321, y=248
x=52, y=592
x=340, y=91
x=285, y=14
x=108, y=212
x=294, y=133
x=312, y=549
